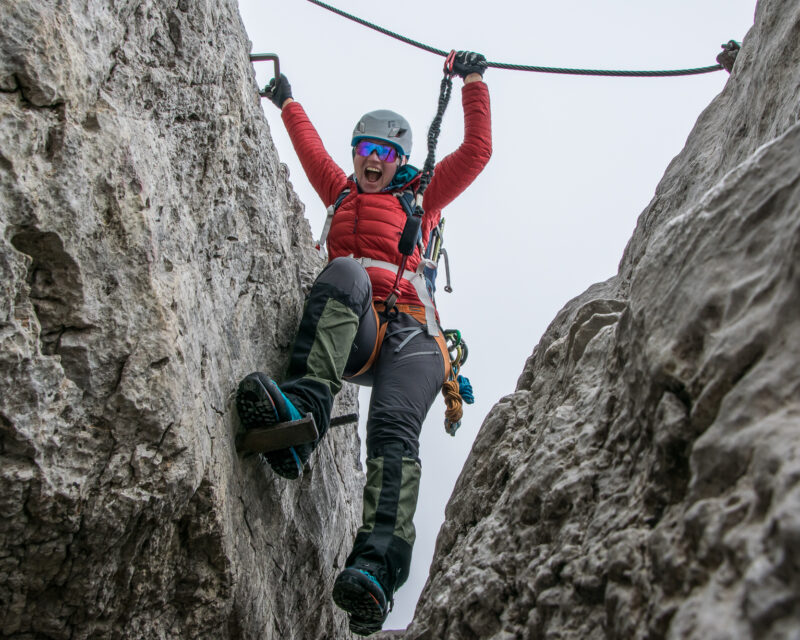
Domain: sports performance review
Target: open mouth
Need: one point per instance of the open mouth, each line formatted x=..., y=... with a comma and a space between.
x=372, y=174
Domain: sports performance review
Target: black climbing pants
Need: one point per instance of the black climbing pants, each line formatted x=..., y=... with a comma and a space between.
x=342, y=336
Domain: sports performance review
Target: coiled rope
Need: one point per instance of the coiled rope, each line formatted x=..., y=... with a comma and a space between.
x=523, y=67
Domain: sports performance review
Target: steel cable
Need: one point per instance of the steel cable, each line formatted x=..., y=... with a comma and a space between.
x=522, y=67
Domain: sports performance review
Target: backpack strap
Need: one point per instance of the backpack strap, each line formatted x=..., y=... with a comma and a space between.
x=407, y=200
x=328, y=220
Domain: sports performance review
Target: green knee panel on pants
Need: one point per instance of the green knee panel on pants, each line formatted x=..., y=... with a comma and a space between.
x=330, y=350
x=398, y=504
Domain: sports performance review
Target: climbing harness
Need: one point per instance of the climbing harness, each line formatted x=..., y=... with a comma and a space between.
x=536, y=69
x=417, y=280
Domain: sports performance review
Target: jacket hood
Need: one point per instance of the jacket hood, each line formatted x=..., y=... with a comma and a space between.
x=405, y=176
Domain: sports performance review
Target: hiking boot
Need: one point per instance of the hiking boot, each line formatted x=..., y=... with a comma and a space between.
x=261, y=403
x=360, y=594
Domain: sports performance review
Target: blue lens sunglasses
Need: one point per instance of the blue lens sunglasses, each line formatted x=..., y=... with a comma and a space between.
x=386, y=152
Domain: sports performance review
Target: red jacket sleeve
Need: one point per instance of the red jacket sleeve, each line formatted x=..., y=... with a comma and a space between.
x=325, y=175
x=457, y=171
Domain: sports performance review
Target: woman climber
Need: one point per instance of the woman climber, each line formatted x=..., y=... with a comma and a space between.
x=347, y=332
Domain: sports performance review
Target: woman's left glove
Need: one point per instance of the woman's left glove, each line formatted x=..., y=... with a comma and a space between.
x=279, y=91
x=467, y=62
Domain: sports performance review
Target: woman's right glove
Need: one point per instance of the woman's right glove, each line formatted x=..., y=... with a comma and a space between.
x=278, y=92
x=467, y=62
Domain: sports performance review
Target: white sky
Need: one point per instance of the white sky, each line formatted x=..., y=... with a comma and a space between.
x=576, y=159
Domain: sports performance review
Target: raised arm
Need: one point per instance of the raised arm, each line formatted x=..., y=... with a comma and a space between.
x=327, y=178
x=455, y=172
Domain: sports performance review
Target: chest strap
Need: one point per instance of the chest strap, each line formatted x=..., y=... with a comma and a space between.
x=417, y=280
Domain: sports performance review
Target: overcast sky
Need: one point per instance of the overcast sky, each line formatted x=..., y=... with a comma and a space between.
x=576, y=159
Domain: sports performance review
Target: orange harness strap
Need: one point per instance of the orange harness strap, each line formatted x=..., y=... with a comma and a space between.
x=418, y=313
x=450, y=388
x=376, y=349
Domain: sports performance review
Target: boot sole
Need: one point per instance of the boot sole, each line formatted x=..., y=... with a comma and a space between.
x=254, y=405
x=361, y=628
x=349, y=594
x=257, y=411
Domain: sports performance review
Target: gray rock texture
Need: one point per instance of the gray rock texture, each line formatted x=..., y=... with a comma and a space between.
x=152, y=252
x=644, y=479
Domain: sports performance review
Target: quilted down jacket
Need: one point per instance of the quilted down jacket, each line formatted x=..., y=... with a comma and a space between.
x=369, y=225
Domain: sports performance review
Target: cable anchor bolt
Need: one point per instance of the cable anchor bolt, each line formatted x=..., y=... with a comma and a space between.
x=728, y=56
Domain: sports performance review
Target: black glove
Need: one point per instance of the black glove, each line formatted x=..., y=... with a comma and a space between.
x=278, y=91
x=467, y=62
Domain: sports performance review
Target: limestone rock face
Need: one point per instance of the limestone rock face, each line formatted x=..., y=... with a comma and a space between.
x=644, y=479
x=152, y=253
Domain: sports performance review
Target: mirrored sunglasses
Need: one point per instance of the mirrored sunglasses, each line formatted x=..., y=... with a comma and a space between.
x=386, y=152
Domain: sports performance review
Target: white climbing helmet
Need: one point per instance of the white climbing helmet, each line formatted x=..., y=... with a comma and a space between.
x=384, y=125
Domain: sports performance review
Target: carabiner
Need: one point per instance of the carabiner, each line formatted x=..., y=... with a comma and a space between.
x=453, y=335
x=449, y=62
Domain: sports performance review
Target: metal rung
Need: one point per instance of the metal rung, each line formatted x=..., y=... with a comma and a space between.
x=261, y=57
x=278, y=436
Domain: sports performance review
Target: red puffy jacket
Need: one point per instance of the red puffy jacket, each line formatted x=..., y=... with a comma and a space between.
x=369, y=225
